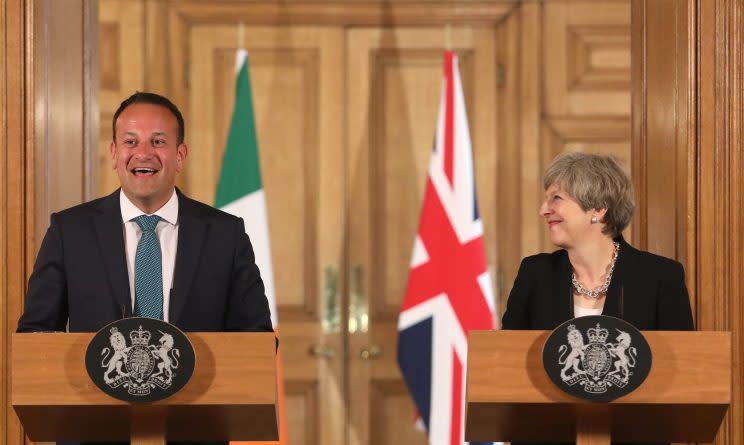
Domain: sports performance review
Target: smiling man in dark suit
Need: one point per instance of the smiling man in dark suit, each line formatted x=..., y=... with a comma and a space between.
x=146, y=249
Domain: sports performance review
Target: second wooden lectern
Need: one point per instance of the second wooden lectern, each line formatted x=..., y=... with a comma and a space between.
x=511, y=398
x=231, y=395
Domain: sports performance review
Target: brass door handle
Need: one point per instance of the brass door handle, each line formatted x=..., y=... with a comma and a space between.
x=331, y=307
x=370, y=353
x=358, y=304
x=322, y=351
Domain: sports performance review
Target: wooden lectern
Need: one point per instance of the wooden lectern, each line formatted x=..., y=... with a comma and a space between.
x=511, y=398
x=231, y=395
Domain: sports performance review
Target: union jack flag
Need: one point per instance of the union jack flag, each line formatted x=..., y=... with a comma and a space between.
x=449, y=289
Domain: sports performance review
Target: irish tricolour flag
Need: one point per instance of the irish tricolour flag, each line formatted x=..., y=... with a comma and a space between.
x=240, y=192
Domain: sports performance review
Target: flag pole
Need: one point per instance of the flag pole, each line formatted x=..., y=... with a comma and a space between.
x=448, y=37
x=241, y=35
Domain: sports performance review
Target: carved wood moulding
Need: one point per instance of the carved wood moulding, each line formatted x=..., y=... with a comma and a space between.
x=346, y=12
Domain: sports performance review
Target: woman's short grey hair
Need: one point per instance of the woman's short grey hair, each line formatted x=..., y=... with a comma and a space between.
x=595, y=182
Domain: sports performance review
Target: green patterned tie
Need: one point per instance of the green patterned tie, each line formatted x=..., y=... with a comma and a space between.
x=148, y=270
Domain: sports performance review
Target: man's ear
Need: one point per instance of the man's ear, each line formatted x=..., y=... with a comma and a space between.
x=181, y=153
x=112, y=150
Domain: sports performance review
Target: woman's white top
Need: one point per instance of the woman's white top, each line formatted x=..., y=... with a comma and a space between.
x=584, y=311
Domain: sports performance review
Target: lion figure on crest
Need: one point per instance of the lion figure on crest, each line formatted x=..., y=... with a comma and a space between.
x=167, y=355
x=118, y=359
x=575, y=356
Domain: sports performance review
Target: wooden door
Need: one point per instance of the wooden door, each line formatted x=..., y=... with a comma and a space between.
x=394, y=79
x=342, y=378
x=295, y=74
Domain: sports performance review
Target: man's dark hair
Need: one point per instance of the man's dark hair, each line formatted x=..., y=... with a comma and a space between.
x=155, y=99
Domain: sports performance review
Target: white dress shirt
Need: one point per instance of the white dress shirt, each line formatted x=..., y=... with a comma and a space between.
x=584, y=311
x=167, y=232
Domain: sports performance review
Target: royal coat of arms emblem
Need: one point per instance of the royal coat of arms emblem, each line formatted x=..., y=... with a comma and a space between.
x=600, y=362
x=136, y=362
x=139, y=360
x=590, y=364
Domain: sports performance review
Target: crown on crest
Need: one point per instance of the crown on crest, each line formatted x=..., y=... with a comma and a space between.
x=140, y=337
x=571, y=328
x=598, y=334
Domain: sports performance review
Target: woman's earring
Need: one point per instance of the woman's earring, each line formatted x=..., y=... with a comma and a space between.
x=594, y=220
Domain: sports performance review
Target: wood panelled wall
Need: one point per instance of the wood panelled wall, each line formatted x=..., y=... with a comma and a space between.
x=564, y=82
x=688, y=155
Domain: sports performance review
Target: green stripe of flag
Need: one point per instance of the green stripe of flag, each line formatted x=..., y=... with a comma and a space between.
x=241, y=172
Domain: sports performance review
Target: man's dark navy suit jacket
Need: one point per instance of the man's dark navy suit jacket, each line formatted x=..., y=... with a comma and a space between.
x=81, y=277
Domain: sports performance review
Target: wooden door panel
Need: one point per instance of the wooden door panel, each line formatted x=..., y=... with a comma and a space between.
x=294, y=76
x=301, y=402
x=392, y=414
x=394, y=87
x=402, y=116
x=286, y=122
x=587, y=57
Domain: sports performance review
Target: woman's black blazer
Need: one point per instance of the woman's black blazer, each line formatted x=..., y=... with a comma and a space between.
x=646, y=290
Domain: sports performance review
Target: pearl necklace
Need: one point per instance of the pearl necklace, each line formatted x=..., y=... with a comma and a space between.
x=595, y=293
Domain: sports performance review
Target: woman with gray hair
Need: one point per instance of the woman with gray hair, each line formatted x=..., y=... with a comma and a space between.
x=588, y=203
